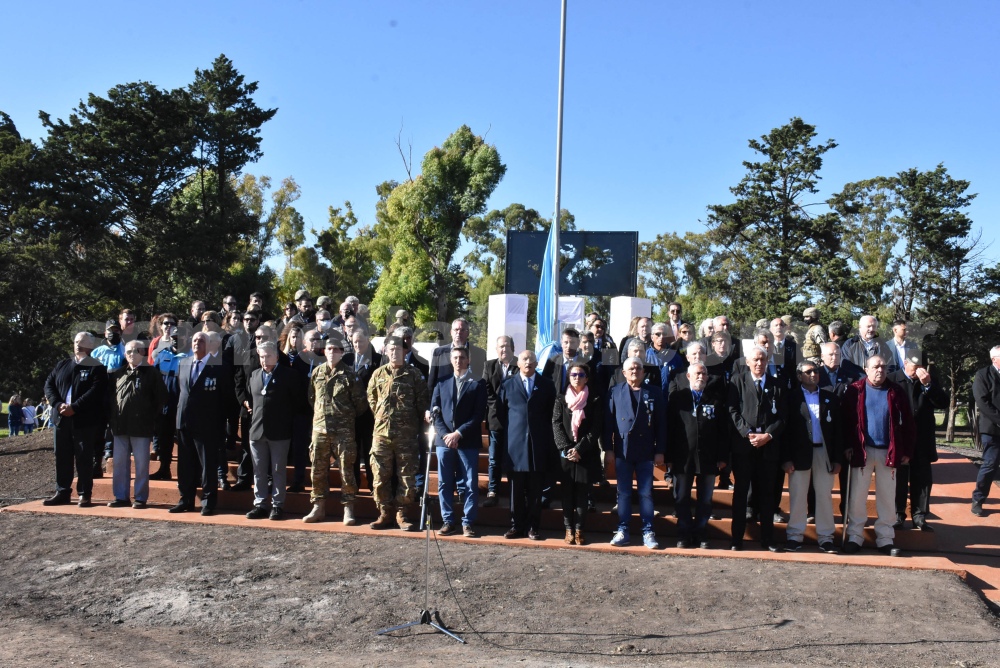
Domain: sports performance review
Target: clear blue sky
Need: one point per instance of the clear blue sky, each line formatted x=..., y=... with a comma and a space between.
x=661, y=97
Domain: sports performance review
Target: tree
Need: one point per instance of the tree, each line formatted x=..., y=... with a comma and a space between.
x=673, y=268
x=773, y=252
x=427, y=215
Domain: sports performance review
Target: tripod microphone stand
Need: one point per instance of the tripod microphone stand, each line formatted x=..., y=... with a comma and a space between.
x=429, y=617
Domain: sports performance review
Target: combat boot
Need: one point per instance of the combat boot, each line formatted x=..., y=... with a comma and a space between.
x=317, y=514
x=384, y=520
x=349, y=514
x=403, y=520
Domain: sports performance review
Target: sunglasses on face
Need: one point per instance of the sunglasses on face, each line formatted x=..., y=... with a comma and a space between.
x=169, y=324
x=578, y=374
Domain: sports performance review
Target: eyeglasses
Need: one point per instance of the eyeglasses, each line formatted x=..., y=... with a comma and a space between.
x=675, y=310
x=133, y=351
x=578, y=374
x=809, y=372
x=167, y=323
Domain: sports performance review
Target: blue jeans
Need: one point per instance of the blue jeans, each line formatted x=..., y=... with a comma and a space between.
x=688, y=527
x=643, y=473
x=14, y=427
x=988, y=470
x=496, y=459
x=125, y=448
x=462, y=465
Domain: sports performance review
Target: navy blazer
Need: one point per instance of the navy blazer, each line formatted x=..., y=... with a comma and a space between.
x=749, y=414
x=796, y=441
x=639, y=435
x=272, y=413
x=202, y=407
x=530, y=441
x=439, y=367
x=464, y=415
x=89, y=381
x=493, y=377
x=847, y=373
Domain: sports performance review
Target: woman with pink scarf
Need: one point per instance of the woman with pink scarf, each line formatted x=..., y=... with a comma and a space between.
x=577, y=422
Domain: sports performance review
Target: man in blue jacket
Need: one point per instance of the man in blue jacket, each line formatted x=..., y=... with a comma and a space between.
x=459, y=406
x=635, y=433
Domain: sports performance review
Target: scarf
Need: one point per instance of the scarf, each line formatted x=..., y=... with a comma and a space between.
x=576, y=403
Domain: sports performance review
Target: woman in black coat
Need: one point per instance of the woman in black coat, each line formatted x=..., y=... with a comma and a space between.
x=577, y=422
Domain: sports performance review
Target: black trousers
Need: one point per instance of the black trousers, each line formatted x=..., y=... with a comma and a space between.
x=197, y=457
x=574, y=501
x=244, y=473
x=526, y=499
x=74, y=445
x=751, y=468
x=914, y=480
x=163, y=440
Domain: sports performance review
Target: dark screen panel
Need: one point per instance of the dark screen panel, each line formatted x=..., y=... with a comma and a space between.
x=593, y=263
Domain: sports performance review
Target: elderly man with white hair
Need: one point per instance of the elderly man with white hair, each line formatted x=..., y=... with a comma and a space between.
x=77, y=391
x=866, y=343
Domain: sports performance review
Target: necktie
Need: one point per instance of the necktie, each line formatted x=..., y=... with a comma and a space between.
x=760, y=387
x=195, y=370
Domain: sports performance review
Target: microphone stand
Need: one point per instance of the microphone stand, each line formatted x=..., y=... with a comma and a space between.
x=429, y=617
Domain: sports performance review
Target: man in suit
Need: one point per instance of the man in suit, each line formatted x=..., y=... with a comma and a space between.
x=901, y=347
x=458, y=407
x=76, y=389
x=555, y=368
x=440, y=364
x=666, y=359
x=758, y=410
x=915, y=480
x=527, y=401
x=986, y=394
x=697, y=448
x=241, y=380
x=674, y=321
x=785, y=357
x=363, y=365
x=494, y=374
x=205, y=389
x=811, y=449
x=635, y=434
x=276, y=396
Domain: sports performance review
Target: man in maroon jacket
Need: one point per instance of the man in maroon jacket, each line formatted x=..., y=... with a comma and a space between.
x=879, y=434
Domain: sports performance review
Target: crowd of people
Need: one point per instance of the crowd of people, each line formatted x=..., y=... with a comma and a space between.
x=309, y=388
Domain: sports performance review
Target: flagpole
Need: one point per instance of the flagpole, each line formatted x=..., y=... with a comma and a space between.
x=559, y=132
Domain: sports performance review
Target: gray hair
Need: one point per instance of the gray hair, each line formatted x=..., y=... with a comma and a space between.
x=696, y=344
x=631, y=361
x=994, y=352
x=268, y=348
x=403, y=332
x=697, y=364
x=755, y=350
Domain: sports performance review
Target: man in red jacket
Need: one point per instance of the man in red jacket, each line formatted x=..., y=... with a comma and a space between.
x=879, y=435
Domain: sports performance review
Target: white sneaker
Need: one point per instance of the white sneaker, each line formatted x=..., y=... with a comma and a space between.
x=621, y=539
x=649, y=540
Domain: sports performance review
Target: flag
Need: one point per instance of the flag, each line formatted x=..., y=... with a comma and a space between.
x=547, y=304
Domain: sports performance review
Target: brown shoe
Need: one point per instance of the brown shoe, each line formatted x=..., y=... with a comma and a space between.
x=384, y=521
x=469, y=532
x=403, y=521
x=570, y=538
x=580, y=540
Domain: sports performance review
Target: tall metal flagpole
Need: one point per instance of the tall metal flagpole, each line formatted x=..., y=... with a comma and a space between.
x=559, y=132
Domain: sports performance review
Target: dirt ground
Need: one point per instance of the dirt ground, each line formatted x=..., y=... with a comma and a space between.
x=110, y=592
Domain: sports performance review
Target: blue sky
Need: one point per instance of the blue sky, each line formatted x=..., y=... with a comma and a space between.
x=661, y=97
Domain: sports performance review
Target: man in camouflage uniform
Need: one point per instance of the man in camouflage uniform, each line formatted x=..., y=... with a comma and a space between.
x=337, y=399
x=814, y=338
x=397, y=394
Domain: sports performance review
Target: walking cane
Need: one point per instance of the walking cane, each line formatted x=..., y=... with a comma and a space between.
x=847, y=507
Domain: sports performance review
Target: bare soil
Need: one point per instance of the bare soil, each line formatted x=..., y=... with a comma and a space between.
x=126, y=592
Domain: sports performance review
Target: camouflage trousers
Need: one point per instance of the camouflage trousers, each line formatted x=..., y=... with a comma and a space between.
x=403, y=460
x=342, y=447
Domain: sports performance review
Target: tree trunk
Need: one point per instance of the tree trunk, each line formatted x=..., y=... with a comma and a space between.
x=949, y=434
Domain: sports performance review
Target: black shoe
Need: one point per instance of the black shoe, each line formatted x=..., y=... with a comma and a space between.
x=206, y=511
x=181, y=508
x=491, y=500
x=513, y=533
x=297, y=488
x=546, y=504
x=810, y=519
x=977, y=509
x=84, y=502
x=591, y=508
x=57, y=500
x=258, y=513
x=98, y=471
x=534, y=535
x=737, y=547
x=704, y=545
x=139, y=505
x=276, y=513
x=163, y=473
x=827, y=547
x=241, y=486
x=749, y=515
x=224, y=484
x=120, y=503
x=900, y=521
x=850, y=547
x=684, y=543
x=922, y=525
x=793, y=546
x=771, y=548
x=890, y=550
x=779, y=518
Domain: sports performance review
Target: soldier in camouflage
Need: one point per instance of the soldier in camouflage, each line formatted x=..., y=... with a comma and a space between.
x=337, y=399
x=815, y=336
x=397, y=394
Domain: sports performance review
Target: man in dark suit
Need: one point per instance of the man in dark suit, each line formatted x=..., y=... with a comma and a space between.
x=555, y=368
x=635, y=434
x=836, y=372
x=277, y=394
x=986, y=394
x=412, y=357
x=494, y=374
x=205, y=390
x=527, y=401
x=698, y=446
x=757, y=408
x=785, y=357
x=866, y=343
x=440, y=364
x=76, y=390
x=811, y=449
x=459, y=406
x=363, y=364
x=915, y=480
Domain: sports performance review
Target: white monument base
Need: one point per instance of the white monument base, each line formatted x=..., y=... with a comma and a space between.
x=623, y=309
x=508, y=314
